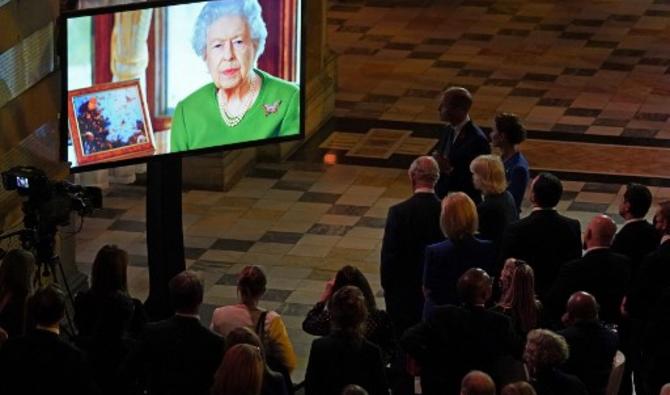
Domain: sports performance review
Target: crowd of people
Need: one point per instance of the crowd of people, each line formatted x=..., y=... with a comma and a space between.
x=477, y=301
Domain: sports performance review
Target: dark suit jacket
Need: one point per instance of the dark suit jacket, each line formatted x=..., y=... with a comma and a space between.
x=545, y=239
x=273, y=383
x=177, y=356
x=336, y=361
x=470, y=143
x=87, y=314
x=41, y=363
x=445, y=264
x=602, y=273
x=454, y=340
x=555, y=382
x=636, y=240
x=656, y=344
x=652, y=277
x=495, y=213
x=592, y=350
x=410, y=227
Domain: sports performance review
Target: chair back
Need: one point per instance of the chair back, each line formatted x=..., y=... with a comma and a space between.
x=616, y=374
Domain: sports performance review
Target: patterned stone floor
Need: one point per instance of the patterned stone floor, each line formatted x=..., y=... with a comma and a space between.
x=301, y=221
x=594, y=68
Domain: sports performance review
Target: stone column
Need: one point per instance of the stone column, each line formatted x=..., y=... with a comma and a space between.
x=321, y=81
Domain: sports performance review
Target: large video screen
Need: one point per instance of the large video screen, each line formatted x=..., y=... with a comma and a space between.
x=171, y=77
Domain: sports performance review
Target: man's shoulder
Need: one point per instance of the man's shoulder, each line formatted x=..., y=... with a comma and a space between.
x=418, y=201
x=440, y=246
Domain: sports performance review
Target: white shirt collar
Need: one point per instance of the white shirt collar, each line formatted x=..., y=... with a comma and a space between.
x=594, y=248
x=424, y=190
x=543, y=209
x=633, y=220
x=459, y=127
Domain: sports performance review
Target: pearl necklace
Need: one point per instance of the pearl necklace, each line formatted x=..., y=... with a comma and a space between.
x=234, y=120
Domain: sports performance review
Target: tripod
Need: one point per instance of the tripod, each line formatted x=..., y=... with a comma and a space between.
x=39, y=238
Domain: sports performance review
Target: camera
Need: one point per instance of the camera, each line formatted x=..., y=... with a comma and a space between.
x=50, y=202
x=24, y=180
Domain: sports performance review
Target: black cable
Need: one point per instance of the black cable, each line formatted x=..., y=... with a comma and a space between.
x=70, y=322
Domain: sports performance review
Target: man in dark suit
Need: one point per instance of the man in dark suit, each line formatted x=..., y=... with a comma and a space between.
x=655, y=345
x=178, y=355
x=654, y=274
x=455, y=340
x=545, y=239
x=410, y=227
x=460, y=143
x=592, y=345
x=600, y=272
x=636, y=239
x=41, y=362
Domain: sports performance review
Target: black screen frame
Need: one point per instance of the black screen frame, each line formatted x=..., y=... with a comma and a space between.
x=64, y=121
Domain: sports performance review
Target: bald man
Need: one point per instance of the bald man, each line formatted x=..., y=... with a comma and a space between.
x=600, y=272
x=460, y=142
x=592, y=345
x=477, y=383
x=455, y=340
x=410, y=226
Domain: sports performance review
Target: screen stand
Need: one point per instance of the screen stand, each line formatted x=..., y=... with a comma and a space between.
x=165, y=236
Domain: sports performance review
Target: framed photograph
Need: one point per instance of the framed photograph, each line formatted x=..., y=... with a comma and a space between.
x=109, y=122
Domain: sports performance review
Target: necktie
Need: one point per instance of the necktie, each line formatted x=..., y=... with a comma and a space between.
x=449, y=140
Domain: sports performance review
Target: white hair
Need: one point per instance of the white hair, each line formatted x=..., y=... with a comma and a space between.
x=249, y=9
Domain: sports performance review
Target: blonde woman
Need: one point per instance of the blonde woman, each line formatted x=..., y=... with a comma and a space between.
x=498, y=209
x=446, y=261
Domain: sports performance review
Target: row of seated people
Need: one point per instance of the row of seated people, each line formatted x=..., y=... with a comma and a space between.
x=181, y=356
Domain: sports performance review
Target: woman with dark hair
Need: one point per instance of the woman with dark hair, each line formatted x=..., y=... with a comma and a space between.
x=240, y=372
x=109, y=346
x=16, y=274
x=267, y=323
x=345, y=357
x=507, y=134
x=518, y=299
x=378, y=327
x=108, y=277
x=273, y=382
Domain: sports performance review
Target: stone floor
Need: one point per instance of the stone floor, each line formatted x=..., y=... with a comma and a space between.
x=595, y=68
x=300, y=221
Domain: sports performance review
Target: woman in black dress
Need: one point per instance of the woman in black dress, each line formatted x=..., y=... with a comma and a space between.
x=345, y=357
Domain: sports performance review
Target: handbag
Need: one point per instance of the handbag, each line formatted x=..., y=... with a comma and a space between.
x=272, y=352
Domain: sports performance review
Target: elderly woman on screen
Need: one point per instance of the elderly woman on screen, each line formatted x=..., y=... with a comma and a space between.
x=242, y=103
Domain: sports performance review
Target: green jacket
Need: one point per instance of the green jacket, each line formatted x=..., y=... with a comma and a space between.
x=197, y=121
